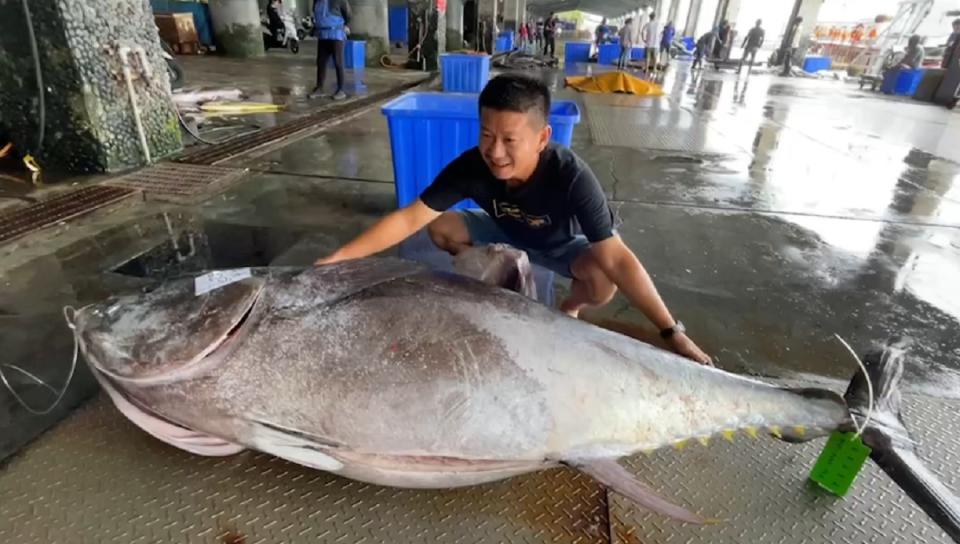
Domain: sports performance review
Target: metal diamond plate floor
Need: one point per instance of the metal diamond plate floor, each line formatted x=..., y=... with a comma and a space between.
x=667, y=130
x=97, y=478
x=760, y=488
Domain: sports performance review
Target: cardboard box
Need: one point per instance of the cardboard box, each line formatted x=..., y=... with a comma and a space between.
x=176, y=28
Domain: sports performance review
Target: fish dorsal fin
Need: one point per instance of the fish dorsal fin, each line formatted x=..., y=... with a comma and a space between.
x=609, y=473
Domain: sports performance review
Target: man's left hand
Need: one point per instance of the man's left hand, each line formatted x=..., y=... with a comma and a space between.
x=683, y=345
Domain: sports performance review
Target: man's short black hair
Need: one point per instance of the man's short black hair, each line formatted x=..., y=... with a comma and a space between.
x=517, y=92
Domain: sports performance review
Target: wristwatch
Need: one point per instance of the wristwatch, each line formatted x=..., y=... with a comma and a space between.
x=668, y=333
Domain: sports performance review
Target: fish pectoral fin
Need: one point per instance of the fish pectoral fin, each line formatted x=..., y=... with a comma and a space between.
x=609, y=473
x=293, y=446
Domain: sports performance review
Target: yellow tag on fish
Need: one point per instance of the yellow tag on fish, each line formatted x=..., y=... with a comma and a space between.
x=840, y=462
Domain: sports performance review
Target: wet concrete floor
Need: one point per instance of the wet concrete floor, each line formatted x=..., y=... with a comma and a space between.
x=772, y=213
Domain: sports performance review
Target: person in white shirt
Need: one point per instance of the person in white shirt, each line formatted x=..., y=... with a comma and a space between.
x=651, y=39
x=626, y=43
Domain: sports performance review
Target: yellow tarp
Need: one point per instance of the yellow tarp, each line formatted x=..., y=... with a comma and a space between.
x=240, y=107
x=614, y=82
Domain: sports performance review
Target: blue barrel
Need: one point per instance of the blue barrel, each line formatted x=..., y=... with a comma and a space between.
x=576, y=52
x=429, y=130
x=354, y=55
x=464, y=73
x=609, y=53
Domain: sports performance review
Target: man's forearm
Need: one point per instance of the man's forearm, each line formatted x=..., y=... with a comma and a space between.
x=386, y=233
x=635, y=283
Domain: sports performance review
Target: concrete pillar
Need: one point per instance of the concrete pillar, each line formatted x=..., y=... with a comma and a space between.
x=370, y=22
x=454, y=24
x=693, y=18
x=88, y=122
x=809, y=10
x=511, y=14
x=426, y=19
x=236, y=27
x=299, y=8
x=671, y=15
x=486, y=24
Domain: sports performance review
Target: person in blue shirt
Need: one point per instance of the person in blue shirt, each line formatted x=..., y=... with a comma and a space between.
x=603, y=31
x=666, y=42
x=332, y=19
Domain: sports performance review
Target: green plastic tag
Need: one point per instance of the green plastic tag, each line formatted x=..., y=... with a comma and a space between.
x=839, y=462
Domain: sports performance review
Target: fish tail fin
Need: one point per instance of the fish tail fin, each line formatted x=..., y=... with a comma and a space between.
x=892, y=448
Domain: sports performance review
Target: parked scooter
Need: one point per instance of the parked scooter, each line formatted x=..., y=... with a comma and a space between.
x=173, y=67
x=283, y=31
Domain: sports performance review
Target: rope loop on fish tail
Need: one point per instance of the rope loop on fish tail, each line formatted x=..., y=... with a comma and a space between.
x=69, y=314
x=863, y=368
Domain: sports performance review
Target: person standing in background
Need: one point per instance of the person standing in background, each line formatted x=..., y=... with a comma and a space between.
x=704, y=47
x=666, y=42
x=751, y=44
x=651, y=36
x=626, y=43
x=538, y=35
x=794, y=46
x=549, y=36
x=723, y=39
x=600, y=36
x=332, y=20
x=951, y=54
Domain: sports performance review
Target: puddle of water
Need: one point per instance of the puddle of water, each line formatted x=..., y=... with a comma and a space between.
x=212, y=246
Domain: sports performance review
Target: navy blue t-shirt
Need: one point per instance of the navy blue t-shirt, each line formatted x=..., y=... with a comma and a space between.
x=560, y=200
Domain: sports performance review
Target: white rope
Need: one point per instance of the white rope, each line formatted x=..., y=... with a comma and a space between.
x=69, y=314
x=863, y=367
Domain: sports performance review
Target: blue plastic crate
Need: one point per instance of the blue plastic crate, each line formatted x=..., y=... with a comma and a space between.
x=428, y=130
x=813, y=63
x=638, y=53
x=903, y=81
x=464, y=73
x=576, y=52
x=511, y=38
x=689, y=43
x=503, y=44
x=397, y=23
x=609, y=53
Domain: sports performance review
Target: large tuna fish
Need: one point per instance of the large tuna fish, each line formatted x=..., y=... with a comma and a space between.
x=383, y=371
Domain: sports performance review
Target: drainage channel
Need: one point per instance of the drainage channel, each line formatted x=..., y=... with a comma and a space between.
x=217, y=153
x=63, y=206
x=179, y=183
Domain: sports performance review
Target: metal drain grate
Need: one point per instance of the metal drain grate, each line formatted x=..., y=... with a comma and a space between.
x=58, y=208
x=217, y=153
x=179, y=182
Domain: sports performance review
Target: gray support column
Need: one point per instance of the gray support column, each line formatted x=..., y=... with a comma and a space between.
x=511, y=14
x=454, y=25
x=693, y=17
x=809, y=10
x=672, y=13
x=236, y=27
x=427, y=33
x=88, y=122
x=370, y=23
x=486, y=20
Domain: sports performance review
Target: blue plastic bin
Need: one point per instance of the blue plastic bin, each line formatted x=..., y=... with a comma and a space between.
x=903, y=82
x=503, y=44
x=638, y=53
x=689, y=43
x=354, y=55
x=814, y=63
x=609, y=53
x=576, y=52
x=464, y=73
x=615, y=39
x=397, y=23
x=428, y=130
x=511, y=38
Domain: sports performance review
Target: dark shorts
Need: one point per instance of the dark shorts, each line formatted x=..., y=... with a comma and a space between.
x=484, y=230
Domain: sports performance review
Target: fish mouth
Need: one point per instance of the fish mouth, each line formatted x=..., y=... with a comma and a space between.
x=195, y=351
